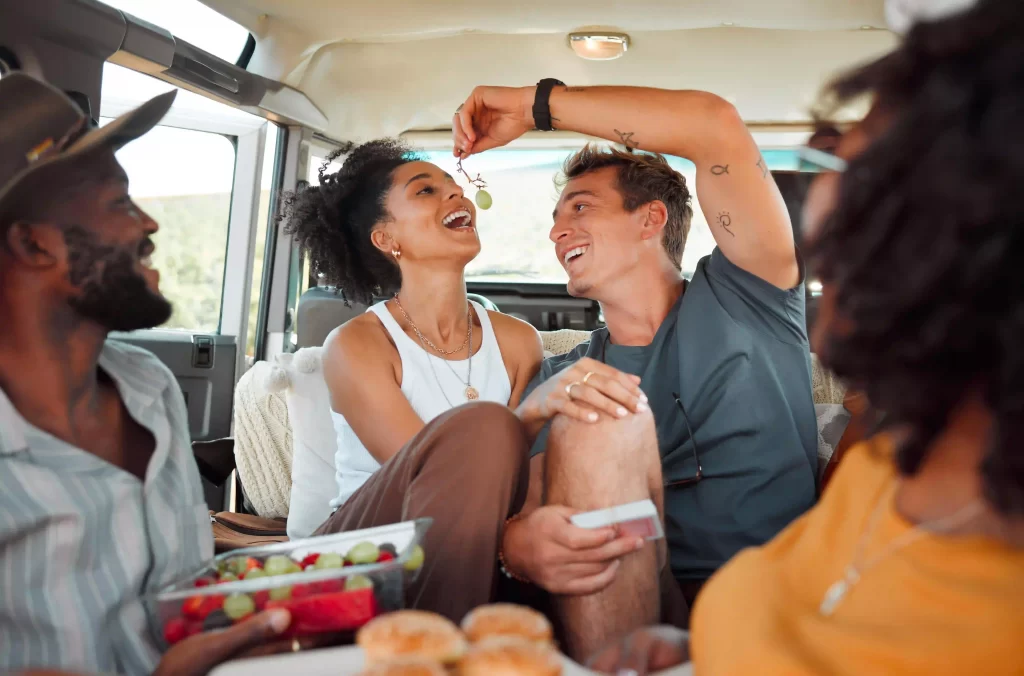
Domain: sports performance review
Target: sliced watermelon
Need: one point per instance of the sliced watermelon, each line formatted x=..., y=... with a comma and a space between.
x=337, y=611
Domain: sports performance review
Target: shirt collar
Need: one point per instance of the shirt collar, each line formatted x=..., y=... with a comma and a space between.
x=127, y=367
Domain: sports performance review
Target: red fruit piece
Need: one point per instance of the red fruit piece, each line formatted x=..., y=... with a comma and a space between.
x=260, y=598
x=175, y=630
x=213, y=602
x=385, y=556
x=326, y=586
x=251, y=563
x=309, y=560
x=192, y=608
x=338, y=611
x=300, y=590
x=193, y=628
x=203, y=582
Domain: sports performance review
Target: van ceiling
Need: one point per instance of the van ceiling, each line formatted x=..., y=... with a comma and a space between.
x=389, y=66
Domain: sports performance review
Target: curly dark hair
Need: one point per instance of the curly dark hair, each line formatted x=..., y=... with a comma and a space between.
x=926, y=245
x=332, y=221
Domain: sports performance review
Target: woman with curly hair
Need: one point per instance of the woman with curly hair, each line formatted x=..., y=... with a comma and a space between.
x=419, y=364
x=913, y=561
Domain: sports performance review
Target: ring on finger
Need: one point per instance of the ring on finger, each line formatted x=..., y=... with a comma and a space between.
x=568, y=388
x=587, y=377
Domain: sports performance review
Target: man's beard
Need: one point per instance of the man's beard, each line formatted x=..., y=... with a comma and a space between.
x=112, y=293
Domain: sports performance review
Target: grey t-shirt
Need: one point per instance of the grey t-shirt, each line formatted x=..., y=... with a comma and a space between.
x=735, y=350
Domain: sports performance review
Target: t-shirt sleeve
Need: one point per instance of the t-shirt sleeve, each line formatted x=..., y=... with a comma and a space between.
x=760, y=305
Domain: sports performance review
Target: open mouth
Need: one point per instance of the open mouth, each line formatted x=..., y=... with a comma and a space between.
x=458, y=220
x=573, y=254
x=146, y=254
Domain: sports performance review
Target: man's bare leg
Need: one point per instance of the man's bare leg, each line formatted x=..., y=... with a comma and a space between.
x=593, y=466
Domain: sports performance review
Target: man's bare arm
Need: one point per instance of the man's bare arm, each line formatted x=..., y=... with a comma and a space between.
x=737, y=194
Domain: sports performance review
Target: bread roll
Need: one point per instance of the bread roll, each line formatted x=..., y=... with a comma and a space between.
x=411, y=633
x=506, y=619
x=509, y=656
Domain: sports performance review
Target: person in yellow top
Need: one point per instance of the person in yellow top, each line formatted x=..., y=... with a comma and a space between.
x=912, y=562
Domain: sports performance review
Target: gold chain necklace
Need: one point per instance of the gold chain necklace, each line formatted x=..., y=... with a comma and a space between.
x=840, y=588
x=425, y=340
x=471, y=392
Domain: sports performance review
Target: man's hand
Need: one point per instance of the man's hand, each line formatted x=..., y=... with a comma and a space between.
x=561, y=558
x=198, y=654
x=644, y=651
x=492, y=117
x=606, y=390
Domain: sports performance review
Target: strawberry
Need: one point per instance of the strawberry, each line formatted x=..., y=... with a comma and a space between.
x=309, y=560
x=192, y=607
x=175, y=630
x=385, y=556
x=203, y=582
x=300, y=590
x=337, y=611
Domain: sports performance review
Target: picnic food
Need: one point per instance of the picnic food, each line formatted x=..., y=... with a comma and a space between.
x=317, y=606
x=508, y=656
x=506, y=619
x=411, y=633
x=406, y=667
x=483, y=198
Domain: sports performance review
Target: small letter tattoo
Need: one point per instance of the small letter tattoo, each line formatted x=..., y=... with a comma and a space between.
x=763, y=167
x=725, y=220
x=720, y=169
x=626, y=137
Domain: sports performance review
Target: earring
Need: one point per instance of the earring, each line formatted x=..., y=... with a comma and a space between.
x=396, y=253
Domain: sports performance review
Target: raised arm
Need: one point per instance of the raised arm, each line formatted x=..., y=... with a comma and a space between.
x=362, y=381
x=737, y=193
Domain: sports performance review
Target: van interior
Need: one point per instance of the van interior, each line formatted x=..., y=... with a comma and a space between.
x=269, y=88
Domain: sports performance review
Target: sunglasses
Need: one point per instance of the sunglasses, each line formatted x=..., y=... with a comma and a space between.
x=689, y=481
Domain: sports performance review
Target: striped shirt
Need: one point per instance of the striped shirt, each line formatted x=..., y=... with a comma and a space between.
x=81, y=541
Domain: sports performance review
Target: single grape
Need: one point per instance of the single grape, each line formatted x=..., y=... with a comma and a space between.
x=237, y=564
x=254, y=573
x=358, y=582
x=483, y=199
x=294, y=568
x=280, y=593
x=218, y=619
x=238, y=606
x=329, y=560
x=364, y=552
x=415, y=559
x=278, y=565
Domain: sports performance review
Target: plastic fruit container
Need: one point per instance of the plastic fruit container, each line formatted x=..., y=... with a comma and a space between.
x=331, y=583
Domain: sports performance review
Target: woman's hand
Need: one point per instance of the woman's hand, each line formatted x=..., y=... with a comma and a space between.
x=644, y=651
x=583, y=391
x=492, y=117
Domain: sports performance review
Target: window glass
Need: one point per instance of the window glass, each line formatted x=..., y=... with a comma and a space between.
x=193, y=22
x=514, y=231
x=182, y=179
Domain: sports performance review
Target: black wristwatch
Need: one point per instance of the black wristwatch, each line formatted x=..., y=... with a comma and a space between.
x=541, y=109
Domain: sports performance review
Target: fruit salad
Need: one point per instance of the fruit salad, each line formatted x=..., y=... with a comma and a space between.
x=339, y=588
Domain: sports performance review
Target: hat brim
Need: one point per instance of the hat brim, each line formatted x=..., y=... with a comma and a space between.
x=113, y=136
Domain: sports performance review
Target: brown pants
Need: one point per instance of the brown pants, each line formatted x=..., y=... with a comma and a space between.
x=468, y=470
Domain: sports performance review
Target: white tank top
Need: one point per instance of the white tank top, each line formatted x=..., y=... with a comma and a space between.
x=431, y=387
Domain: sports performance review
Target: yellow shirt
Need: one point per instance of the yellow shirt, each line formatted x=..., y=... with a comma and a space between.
x=940, y=605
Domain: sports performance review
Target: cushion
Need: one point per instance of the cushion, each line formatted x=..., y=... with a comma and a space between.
x=263, y=443
x=300, y=376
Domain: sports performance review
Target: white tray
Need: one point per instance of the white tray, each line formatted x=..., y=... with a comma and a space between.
x=348, y=660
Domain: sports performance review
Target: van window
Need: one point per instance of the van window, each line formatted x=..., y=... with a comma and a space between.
x=193, y=22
